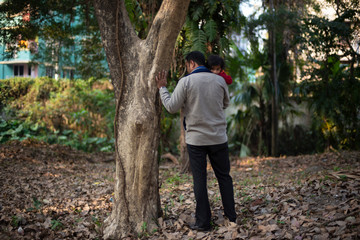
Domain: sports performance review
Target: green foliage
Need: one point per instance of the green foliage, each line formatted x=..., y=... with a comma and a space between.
x=96, y=220
x=14, y=88
x=210, y=30
x=248, y=126
x=141, y=14
x=335, y=103
x=18, y=130
x=36, y=205
x=177, y=179
x=15, y=221
x=330, y=85
x=209, y=24
x=79, y=114
x=331, y=82
x=56, y=225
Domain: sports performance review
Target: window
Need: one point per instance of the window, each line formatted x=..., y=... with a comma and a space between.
x=29, y=71
x=18, y=70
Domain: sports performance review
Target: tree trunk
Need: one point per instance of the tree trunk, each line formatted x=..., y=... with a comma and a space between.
x=274, y=108
x=133, y=64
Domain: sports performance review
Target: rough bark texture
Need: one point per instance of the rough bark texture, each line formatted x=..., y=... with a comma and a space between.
x=133, y=64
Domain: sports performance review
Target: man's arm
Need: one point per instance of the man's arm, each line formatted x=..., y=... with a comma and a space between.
x=173, y=102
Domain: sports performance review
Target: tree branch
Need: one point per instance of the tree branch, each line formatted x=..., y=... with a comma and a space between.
x=166, y=25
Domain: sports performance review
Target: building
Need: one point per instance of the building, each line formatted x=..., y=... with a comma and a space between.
x=48, y=57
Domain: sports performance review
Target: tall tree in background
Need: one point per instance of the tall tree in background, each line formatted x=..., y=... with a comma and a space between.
x=133, y=63
x=281, y=21
x=274, y=79
x=278, y=44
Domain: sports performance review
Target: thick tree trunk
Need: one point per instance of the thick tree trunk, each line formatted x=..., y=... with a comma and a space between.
x=133, y=64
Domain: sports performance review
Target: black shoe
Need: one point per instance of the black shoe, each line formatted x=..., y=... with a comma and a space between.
x=202, y=229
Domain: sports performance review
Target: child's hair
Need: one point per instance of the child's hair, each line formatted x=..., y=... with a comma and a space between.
x=214, y=60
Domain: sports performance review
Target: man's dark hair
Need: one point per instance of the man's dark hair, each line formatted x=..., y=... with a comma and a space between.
x=214, y=60
x=197, y=57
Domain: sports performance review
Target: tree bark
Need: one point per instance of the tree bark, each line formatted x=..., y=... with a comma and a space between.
x=274, y=107
x=133, y=64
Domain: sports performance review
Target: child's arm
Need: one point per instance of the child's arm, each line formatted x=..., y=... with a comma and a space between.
x=227, y=78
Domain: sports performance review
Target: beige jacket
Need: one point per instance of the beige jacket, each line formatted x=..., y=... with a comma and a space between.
x=203, y=97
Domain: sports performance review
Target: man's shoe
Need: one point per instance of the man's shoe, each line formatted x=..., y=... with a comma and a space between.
x=197, y=228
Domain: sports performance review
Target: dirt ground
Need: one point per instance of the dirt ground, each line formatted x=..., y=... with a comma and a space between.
x=54, y=192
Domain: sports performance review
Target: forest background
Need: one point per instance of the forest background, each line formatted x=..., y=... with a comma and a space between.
x=295, y=89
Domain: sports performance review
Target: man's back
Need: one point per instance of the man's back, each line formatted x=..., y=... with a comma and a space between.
x=203, y=97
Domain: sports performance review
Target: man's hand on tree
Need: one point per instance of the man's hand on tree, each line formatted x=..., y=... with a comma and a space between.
x=161, y=79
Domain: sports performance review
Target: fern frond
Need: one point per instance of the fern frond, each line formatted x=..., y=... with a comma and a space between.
x=210, y=30
x=211, y=6
x=197, y=13
x=199, y=41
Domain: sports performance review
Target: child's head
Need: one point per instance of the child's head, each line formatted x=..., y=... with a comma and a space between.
x=215, y=64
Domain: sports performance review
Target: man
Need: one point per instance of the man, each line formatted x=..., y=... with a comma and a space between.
x=203, y=97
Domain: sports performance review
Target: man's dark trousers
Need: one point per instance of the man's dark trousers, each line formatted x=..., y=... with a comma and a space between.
x=219, y=159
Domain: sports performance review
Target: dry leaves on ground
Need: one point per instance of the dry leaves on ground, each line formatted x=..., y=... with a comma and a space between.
x=54, y=192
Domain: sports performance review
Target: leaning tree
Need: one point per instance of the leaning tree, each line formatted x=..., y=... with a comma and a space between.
x=133, y=63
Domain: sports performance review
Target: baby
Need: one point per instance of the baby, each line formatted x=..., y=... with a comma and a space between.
x=216, y=65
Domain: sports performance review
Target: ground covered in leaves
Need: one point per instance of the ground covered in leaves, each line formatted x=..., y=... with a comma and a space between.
x=54, y=192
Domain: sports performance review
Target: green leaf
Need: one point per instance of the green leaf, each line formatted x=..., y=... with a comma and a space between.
x=8, y=132
x=18, y=129
x=106, y=149
x=100, y=140
x=34, y=127
x=3, y=124
x=199, y=41
x=211, y=6
x=196, y=15
x=210, y=30
x=62, y=138
x=67, y=132
x=92, y=140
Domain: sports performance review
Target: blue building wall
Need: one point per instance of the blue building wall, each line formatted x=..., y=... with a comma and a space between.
x=24, y=63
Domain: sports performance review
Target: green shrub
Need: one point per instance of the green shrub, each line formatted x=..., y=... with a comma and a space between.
x=75, y=113
x=13, y=88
